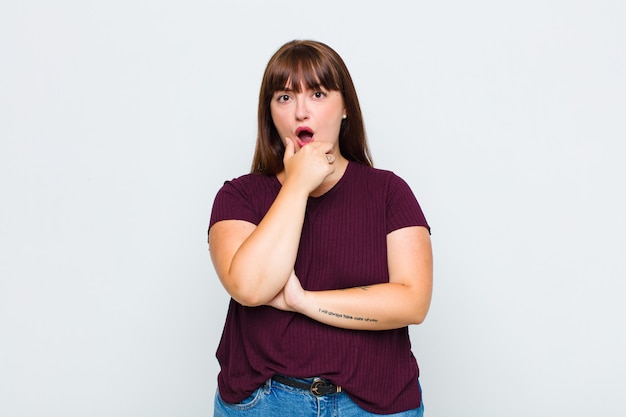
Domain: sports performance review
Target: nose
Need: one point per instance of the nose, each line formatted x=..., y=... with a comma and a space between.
x=302, y=111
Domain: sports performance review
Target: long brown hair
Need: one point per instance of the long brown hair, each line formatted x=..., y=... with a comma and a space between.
x=312, y=64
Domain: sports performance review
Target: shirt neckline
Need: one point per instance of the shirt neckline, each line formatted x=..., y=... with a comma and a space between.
x=331, y=190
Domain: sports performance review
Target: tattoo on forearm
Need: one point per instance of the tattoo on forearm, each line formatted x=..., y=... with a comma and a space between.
x=347, y=316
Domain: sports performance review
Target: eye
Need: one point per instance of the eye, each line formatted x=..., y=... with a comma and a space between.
x=319, y=94
x=283, y=98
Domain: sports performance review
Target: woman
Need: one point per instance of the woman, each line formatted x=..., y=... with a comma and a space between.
x=327, y=259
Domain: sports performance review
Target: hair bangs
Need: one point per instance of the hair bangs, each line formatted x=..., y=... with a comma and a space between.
x=302, y=67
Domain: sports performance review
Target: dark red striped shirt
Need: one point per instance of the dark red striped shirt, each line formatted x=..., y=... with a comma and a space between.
x=343, y=245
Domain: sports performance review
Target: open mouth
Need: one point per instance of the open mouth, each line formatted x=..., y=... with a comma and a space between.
x=304, y=134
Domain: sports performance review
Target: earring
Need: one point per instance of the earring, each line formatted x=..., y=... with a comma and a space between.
x=345, y=116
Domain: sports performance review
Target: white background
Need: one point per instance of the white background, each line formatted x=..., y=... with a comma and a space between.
x=119, y=121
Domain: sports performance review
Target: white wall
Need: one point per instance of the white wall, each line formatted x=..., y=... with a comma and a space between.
x=119, y=121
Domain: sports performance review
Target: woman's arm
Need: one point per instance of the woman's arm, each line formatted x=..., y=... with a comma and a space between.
x=254, y=262
x=403, y=301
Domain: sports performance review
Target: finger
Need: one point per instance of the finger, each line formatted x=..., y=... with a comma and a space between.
x=289, y=148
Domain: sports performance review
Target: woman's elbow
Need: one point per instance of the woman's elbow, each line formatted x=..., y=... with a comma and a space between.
x=246, y=297
x=246, y=294
x=249, y=300
x=420, y=311
x=419, y=318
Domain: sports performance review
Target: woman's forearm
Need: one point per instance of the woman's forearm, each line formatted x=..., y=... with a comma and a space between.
x=402, y=301
x=258, y=261
x=261, y=263
x=375, y=307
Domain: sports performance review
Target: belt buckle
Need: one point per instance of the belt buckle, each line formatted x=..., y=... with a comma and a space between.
x=315, y=387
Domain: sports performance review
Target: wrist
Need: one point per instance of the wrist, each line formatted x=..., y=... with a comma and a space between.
x=306, y=304
x=291, y=187
x=300, y=303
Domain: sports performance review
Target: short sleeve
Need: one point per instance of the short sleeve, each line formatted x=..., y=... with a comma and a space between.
x=245, y=198
x=230, y=204
x=403, y=210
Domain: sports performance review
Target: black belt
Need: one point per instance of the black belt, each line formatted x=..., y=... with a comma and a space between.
x=318, y=387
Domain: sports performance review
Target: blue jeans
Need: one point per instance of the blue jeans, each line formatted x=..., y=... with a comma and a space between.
x=274, y=399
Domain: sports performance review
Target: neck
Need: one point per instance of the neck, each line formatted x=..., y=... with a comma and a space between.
x=341, y=164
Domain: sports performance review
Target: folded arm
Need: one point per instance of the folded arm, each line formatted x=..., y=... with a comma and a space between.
x=254, y=262
x=404, y=300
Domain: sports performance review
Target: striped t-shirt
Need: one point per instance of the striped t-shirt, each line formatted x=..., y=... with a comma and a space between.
x=343, y=245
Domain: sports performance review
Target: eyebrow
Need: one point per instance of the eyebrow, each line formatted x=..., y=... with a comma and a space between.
x=291, y=90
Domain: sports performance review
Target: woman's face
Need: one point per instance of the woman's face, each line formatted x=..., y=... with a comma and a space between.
x=307, y=116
